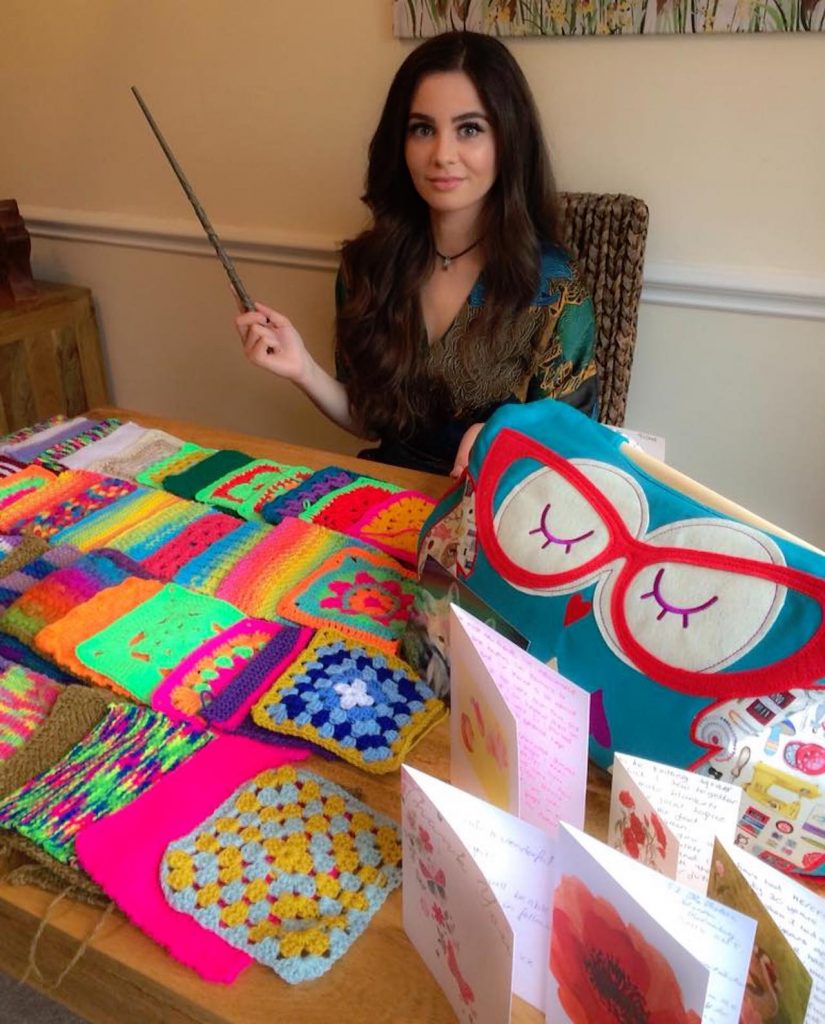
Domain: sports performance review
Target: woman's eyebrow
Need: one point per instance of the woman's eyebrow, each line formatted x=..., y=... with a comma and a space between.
x=475, y=115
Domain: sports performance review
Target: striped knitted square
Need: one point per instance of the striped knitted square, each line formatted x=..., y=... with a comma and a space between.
x=114, y=443
x=207, y=571
x=290, y=869
x=138, y=650
x=116, y=762
x=9, y=465
x=207, y=471
x=363, y=594
x=13, y=584
x=24, y=433
x=25, y=700
x=50, y=599
x=140, y=454
x=52, y=455
x=187, y=455
x=246, y=490
x=143, y=539
x=284, y=556
x=302, y=497
x=393, y=525
x=19, y=551
x=13, y=652
x=31, y=448
x=73, y=496
x=102, y=528
x=60, y=639
x=199, y=677
x=193, y=540
x=340, y=509
x=20, y=485
x=365, y=706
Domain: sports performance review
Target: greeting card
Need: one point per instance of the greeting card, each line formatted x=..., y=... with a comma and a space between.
x=518, y=729
x=668, y=819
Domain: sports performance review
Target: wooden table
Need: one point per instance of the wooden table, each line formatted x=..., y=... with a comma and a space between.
x=125, y=978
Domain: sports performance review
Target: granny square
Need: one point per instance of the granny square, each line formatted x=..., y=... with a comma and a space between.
x=246, y=490
x=168, y=560
x=203, y=674
x=186, y=456
x=138, y=650
x=26, y=698
x=290, y=869
x=119, y=759
x=366, y=706
x=393, y=525
x=302, y=497
x=364, y=594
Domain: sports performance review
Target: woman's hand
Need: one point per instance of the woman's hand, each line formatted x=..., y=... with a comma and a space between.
x=271, y=342
x=464, y=448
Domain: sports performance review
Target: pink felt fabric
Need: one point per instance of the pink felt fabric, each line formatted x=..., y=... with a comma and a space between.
x=122, y=852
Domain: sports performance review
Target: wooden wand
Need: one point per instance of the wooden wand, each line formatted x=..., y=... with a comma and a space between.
x=223, y=255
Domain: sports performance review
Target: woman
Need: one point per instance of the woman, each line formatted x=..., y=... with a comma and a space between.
x=458, y=297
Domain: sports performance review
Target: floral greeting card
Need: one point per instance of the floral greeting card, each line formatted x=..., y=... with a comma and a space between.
x=518, y=729
x=476, y=891
x=629, y=944
x=668, y=819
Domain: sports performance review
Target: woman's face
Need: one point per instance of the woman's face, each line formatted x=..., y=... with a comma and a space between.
x=450, y=148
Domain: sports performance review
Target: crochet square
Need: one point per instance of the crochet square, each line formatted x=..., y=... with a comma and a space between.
x=393, y=525
x=116, y=762
x=246, y=490
x=101, y=528
x=24, y=433
x=18, y=552
x=195, y=681
x=19, y=485
x=114, y=443
x=137, y=455
x=13, y=652
x=187, y=455
x=207, y=571
x=141, y=648
x=28, y=450
x=366, y=706
x=73, y=496
x=363, y=594
x=340, y=509
x=193, y=540
x=59, y=640
x=9, y=465
x=13, y=584
x=306, y=494
x=26, y=698
x=290, y=869
x=143, y=539
x=204, y=472
x=141, y=831
x=52, y=455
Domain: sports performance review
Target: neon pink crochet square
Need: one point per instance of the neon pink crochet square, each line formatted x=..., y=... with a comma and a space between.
x=123, y=851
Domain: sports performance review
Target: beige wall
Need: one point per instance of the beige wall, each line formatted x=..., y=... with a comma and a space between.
x=270, y=105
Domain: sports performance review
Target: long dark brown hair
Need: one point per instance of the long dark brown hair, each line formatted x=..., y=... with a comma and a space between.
x=379, y=324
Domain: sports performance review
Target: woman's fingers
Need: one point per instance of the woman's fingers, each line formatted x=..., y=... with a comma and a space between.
x=272, y=315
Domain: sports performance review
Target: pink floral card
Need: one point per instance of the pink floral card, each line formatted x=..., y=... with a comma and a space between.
x=476, y=895
x=629, y=944
x=668, y=819
x=518, y=730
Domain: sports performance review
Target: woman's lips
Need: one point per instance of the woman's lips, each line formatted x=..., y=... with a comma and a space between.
x=445, y=184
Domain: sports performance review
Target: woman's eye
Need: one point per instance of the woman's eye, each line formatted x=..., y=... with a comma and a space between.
x=470, y=129
x=419, y=129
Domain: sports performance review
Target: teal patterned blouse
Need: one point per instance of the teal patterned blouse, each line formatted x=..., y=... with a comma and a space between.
x=561, y=326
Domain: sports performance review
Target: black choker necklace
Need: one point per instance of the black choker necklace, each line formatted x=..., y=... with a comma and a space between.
x=447, y=260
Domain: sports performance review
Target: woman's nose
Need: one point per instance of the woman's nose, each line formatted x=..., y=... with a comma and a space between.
x=445, y=149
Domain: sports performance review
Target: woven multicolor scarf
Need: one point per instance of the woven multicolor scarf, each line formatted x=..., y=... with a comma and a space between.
x=187, y=456
x=139, y=649
x=205, y=472
x=52, y=455
x=17, y=486
x=290, y=869
x=74, y=495
x=203, y=674
x=114, y=764
x=192, y=541
x=306, y=494
x=140, y=454
x=25, y=701
x=340, y=509
x=393, y=525
x=141, y=831
x=13, y=584
x=363, y=594
x=50, y=599
x=245, y=491
x=365, y=706
x=102, y=528
x=143, y=539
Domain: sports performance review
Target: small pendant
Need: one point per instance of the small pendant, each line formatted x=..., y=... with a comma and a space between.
x=445, y=262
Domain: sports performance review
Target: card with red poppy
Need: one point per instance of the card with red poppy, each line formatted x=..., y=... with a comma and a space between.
x=668, y=819
x=626, y=943
x=778, y=987
x=476, y=890
x=518, y=730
